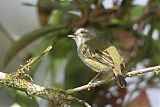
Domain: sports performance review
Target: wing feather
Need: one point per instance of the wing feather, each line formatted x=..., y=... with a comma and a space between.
x=101, y=56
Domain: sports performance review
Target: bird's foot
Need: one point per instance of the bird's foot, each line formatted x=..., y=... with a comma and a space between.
x=93, y=79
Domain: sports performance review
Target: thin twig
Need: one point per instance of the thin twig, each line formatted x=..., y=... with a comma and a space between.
x=58, y=96
x=141, y=71
x=31, y=61
x=98, y=83
x=81, y=101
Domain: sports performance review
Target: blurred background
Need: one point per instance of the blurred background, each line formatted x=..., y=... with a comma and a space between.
x=27, y=27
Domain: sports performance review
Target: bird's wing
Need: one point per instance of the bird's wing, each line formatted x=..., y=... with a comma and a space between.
x=112, y=51
x=100, y=56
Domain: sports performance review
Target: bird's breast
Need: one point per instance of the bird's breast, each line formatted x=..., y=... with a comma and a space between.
x=86, y=57
x=96, y=66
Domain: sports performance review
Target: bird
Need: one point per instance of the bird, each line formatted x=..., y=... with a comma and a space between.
x=99, y=54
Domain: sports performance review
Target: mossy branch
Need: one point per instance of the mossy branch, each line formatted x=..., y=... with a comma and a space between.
x=58, y=96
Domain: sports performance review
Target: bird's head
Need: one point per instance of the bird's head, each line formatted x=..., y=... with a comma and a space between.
x=82, y=35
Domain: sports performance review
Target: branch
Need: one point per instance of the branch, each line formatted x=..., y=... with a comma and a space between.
x=30, y=62
x=57, y=96
x=129, y=74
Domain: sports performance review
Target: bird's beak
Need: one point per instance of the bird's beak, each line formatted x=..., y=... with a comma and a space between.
x=71, y=36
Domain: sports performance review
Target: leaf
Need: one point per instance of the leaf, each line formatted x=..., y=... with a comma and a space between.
x=56, y=18
x=58, y=60
x=125, y=7
x=27, y=39
x=136, y=13
x=155, y=60
x=45, y=43
x=57, y=66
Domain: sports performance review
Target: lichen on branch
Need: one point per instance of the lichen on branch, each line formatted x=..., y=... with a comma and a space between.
x=57, y=96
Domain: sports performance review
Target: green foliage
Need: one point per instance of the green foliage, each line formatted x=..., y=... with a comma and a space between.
x=137, y=12
x=27, y=39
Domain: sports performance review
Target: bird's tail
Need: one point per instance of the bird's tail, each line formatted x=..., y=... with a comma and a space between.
x=121, y=81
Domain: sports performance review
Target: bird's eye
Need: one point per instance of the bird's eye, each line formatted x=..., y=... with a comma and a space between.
x=83, y=31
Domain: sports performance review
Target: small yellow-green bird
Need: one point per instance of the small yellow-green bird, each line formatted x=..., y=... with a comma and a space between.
x=98, y=54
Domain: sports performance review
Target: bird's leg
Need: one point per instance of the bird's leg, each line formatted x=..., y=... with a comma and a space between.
x=91, y=81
